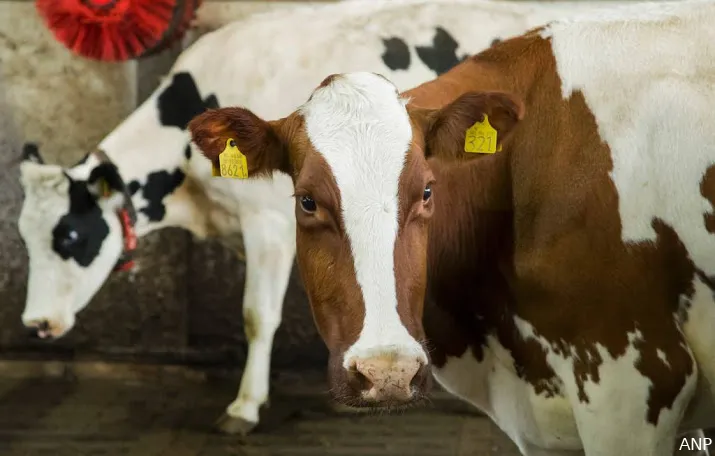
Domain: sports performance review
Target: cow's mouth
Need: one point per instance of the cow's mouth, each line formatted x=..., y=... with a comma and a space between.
x=360, y=405
x=356, y=399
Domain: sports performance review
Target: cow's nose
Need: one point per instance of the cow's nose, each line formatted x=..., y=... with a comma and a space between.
x=41, y=329
x=388, y=378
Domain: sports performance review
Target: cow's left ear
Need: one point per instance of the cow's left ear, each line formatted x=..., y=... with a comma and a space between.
x=262, y=143
x=107, y=186
x=31, y=152
x=474, y=124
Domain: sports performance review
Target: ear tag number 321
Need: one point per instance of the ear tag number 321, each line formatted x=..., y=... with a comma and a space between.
x=232, y=163
x=481, y=138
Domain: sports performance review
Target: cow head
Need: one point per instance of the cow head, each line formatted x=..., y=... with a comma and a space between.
x=73, y=237
x=358, y=154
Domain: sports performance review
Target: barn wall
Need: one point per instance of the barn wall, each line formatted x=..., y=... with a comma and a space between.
x=181, y=306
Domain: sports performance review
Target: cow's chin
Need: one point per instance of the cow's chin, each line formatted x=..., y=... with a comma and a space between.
x=48, y=325
x=48, y=329
x=348, y=392
x=60, y=332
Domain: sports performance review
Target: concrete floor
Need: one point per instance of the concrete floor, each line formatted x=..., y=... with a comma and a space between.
x=139, y=416
x=93, y=409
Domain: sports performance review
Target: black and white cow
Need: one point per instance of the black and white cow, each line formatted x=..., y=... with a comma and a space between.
x=81, y=223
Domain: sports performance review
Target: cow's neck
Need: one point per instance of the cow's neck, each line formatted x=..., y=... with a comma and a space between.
x=154, y=164
x=471, y=233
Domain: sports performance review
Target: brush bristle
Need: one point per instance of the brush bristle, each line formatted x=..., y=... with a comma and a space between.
x=118, y=30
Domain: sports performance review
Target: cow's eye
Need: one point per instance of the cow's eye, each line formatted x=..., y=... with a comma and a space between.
x=70, y=238
x=308, y=204
x=427, y=193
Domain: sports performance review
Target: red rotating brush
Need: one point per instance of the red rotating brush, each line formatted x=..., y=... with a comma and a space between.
x=117, y=30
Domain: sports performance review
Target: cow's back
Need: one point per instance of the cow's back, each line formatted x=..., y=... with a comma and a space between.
x=651, y=93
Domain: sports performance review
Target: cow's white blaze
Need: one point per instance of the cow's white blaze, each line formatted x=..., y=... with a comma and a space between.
x=360, y=125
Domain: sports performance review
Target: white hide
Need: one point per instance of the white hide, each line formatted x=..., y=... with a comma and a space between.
x=620, y=387
x=269, y=63
x=530, y=419
x=697, y=329
x=649, y=80
x=654, y=108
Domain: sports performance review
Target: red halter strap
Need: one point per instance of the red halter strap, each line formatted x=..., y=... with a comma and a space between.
x=127, y=218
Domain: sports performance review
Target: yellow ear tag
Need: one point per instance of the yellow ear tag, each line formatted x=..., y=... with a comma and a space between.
x=232, y=162
x=481, y=138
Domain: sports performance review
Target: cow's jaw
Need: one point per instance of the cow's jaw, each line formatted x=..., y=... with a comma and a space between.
x=360, y=127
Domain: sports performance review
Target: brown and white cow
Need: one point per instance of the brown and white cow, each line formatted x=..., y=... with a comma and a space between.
x=563, y=284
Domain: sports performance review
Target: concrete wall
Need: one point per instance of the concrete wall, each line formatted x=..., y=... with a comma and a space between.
x=181, y=308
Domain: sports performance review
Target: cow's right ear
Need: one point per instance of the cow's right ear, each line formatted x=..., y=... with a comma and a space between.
x=478, y=122
x=259, y=140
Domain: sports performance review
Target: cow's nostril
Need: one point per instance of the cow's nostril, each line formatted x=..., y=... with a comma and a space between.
x=422, y=377
x=358, y=380
x=43, y=326
x=362, y=381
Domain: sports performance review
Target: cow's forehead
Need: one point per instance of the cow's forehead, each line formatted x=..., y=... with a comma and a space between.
x=46, y=198
x=44, y=185
x=353, y=99
x=360, y=125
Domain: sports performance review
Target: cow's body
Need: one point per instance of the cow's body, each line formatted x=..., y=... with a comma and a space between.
x=600, y=320
x=567, y=276
x=242, y=63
